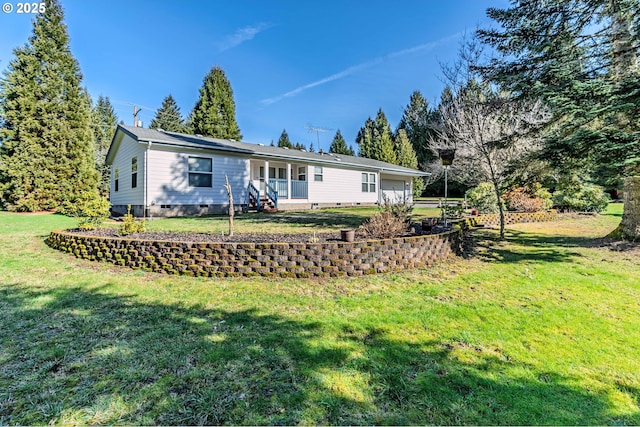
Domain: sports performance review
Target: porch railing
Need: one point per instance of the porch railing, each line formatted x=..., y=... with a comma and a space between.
x=299, y=190
x=281, y=186
x=272, y=193
x=253, y=195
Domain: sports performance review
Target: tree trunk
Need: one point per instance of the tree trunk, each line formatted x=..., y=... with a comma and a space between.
x=630, y=225
x=501, y=211
x=231, y=211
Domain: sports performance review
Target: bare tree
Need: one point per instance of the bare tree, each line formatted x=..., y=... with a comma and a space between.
x=488, y=128
x=231, y=210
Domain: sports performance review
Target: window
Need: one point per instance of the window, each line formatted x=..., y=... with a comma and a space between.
x=134, y=172
x=200, y=172
x=317, y=175
x=272, y=173
x=116, y=176
x=302, y=173
x=282, y=173
x=368, y=182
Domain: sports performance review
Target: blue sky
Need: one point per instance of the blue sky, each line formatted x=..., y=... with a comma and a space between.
x=330, y=63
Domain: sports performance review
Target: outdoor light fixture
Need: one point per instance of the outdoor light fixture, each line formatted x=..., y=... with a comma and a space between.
x=446, y=157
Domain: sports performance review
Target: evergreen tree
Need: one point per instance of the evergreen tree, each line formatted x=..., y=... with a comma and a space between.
x=406, y=156
x=375, y=139
x=104, y=121
x=383, y=145
x=418, y=122
x=214, y=114
x=581, y=58
x=47, y=153
x=364, y=139
x=168, y=117
x=339, y=145
x=284, y=141
x=312, y=149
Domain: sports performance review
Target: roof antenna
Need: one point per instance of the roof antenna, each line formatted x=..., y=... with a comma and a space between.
x=317, y=130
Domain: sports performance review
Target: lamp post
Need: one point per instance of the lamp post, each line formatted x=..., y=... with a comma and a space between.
x=446, y=157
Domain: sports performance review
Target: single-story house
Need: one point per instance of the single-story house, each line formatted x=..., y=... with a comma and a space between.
x=163, y=173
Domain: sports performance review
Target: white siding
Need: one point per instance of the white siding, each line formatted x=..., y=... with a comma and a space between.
x=126, y=195
x=340, y=186
x=169, y=178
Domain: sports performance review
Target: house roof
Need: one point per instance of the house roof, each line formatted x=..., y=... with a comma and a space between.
x=155, y=136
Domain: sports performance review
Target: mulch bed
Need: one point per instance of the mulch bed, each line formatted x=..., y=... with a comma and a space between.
x=237, y=237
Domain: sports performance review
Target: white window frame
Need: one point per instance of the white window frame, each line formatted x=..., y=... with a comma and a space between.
x=198, y=172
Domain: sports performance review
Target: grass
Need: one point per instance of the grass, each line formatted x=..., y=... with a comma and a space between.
x=541, y=329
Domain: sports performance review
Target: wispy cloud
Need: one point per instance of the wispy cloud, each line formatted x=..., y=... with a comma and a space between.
x=242, y=35
x=354, y=69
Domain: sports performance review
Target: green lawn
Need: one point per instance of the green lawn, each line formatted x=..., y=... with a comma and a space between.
x=542, y=329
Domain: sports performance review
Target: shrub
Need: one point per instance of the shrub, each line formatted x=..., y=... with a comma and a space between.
x=130, y=224
x=581, y=197
x=384, y=225
x=524, y=199
x=392, y=220
x=89, y=208
x=483, y=198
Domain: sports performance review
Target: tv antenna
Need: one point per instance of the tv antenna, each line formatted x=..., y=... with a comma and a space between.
x=317, y=130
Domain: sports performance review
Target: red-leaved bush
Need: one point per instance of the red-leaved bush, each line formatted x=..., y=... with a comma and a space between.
x=520, y=200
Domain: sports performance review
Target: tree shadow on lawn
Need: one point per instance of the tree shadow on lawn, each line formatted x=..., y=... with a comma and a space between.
x=79, y=356
x=540, y=248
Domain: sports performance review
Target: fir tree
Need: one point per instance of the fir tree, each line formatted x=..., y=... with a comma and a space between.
x=168, y=117
x=364, y=139
x=406, y=156
x=47, y=153
x=418, y=122
x=104, y=122
x=581, y=58
x=214, y=114
x=383, y=145
x=284, y=141
x=339, y=145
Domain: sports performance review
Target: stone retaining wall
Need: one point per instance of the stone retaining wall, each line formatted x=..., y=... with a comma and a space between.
x=264, y=259
x=279, y=259
x=493, y=220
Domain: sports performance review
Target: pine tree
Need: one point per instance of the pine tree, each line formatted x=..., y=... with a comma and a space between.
x=104, y=122
x=339, y=145
x=418, y=122
x=284, y=141
x=214, y=114
x=581, y=58
x=168, y=117
x=47, y=153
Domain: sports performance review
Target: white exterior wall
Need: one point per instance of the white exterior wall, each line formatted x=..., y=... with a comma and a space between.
x=169, y=178
x=126, y=195
x=340, y=186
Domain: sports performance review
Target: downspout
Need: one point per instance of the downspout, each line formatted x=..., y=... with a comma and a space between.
x=146, y=179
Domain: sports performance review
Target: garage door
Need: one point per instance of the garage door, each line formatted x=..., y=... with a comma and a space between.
x=393, y=190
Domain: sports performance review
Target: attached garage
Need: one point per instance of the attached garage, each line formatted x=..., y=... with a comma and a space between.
x=396, y=191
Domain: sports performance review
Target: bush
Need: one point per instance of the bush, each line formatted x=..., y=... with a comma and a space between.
x=384, y=225
x=524, y=199
x=392, y=220
x=581, y=197
x=89, y=208
x=483, y=198
x=130, y=224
